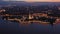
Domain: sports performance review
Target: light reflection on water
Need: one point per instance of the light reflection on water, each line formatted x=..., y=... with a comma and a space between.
x=6, y=26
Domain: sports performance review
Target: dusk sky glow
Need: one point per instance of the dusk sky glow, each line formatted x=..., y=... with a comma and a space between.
x=35, y=0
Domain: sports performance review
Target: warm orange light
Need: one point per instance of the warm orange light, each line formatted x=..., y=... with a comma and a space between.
x=35, y=0
x=42, y=0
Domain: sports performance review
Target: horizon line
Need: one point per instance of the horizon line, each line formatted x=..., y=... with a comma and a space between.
x=28, y=1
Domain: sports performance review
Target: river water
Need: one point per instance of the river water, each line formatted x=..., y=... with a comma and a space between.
x=7, y=27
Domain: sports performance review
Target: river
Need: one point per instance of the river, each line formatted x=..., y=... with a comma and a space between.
x=7, y=27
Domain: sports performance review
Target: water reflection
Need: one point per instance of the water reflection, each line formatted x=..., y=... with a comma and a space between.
x=34, y=28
